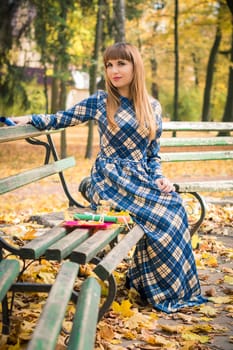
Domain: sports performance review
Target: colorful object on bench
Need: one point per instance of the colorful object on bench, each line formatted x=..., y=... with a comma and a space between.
x=86, y=224
x=118, y=219
x=95, y=217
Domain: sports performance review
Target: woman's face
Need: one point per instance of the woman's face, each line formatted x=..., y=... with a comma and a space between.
x=120, y=73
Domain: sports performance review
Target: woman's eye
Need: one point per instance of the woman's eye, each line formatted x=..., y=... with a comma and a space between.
x=121, y=63
x=108, y=65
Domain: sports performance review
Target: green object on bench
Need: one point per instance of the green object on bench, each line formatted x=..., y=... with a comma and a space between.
x=50, y=322
x=95, y=217
x=9, y=270
x=86, y=317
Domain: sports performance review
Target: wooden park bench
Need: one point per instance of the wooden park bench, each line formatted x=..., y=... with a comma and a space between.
x=194, y=148
x=74, y=247
x=60, y=244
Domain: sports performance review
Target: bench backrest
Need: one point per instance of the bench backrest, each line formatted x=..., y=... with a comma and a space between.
x=54, y=166
x=209, y=147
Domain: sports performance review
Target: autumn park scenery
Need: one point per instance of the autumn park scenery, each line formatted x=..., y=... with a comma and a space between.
x=50, y=55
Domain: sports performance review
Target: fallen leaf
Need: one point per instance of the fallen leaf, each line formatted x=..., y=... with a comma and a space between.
x=195, y=337
x=228, y=279
x=221, y=300
x=124, y=309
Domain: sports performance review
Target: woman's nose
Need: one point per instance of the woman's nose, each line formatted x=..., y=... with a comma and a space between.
x=114, y=69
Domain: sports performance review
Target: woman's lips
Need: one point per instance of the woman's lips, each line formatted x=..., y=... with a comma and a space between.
x=116, y=78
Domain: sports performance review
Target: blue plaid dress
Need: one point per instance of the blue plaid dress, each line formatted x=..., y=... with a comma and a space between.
x=125, y=172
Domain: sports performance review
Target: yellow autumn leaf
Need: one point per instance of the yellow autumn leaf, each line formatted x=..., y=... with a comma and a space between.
x=205, y=255
x=188, y=345
x=29, y=235
x=199, y=264
x=171, y=329
x=208, y=310
x=195, y=337
x=17, y=346
x=155, y=339
x=119, y=277
x=228, y=279
x=137, y=320
x=123, y=309
x=229, y=308
x=46, y=277
x=195, y=241
x=201, y=328
x=129, y=334
x=212, y=262
x=221, y=300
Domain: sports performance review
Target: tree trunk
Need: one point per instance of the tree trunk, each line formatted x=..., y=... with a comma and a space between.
x=93, y=74
x=154, y=85
x=176, y=52
x=230, y=5
x=59, y=81
x=228, y=111
x=119, y=20
x=195, y=69
x=209, y=76
x=7, y=10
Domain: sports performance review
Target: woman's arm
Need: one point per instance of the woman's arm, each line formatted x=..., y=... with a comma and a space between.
x=79, y=113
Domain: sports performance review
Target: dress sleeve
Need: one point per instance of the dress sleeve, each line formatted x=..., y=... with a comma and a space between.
x=79, y=113
x=153, y=158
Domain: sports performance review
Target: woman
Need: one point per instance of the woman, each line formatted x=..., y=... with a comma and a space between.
x=127, y=172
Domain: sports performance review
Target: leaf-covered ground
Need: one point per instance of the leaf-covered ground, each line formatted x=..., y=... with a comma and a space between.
x=128, y=325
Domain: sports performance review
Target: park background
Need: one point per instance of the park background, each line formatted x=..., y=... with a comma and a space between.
x=51, y=57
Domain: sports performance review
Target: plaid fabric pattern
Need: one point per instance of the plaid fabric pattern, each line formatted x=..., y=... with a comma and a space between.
x=163, y=269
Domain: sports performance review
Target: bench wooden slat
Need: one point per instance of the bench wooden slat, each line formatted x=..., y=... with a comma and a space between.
x=194, y=156
x=197, y=126
x=203, y=141
x=9, y=270
x=118, y=253
x=85, y=320
x=22, y=132
x=50, y=322
x=206, y=186
x=88, y=249
x=64, y=247
x=38, y=246
x=12, y=182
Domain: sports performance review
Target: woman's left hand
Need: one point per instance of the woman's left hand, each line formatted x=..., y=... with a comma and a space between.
x=165, y=185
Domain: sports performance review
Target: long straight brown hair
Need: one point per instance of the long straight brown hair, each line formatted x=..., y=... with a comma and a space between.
x=138, y=91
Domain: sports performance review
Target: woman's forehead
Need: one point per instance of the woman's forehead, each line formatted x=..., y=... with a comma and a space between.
x=117, y=60
x=118, y=54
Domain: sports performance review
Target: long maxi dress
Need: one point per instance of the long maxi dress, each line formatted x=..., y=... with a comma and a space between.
x=163, y=270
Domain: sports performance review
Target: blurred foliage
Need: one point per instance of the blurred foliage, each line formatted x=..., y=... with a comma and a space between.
x=149, y=25
x=189, y=104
